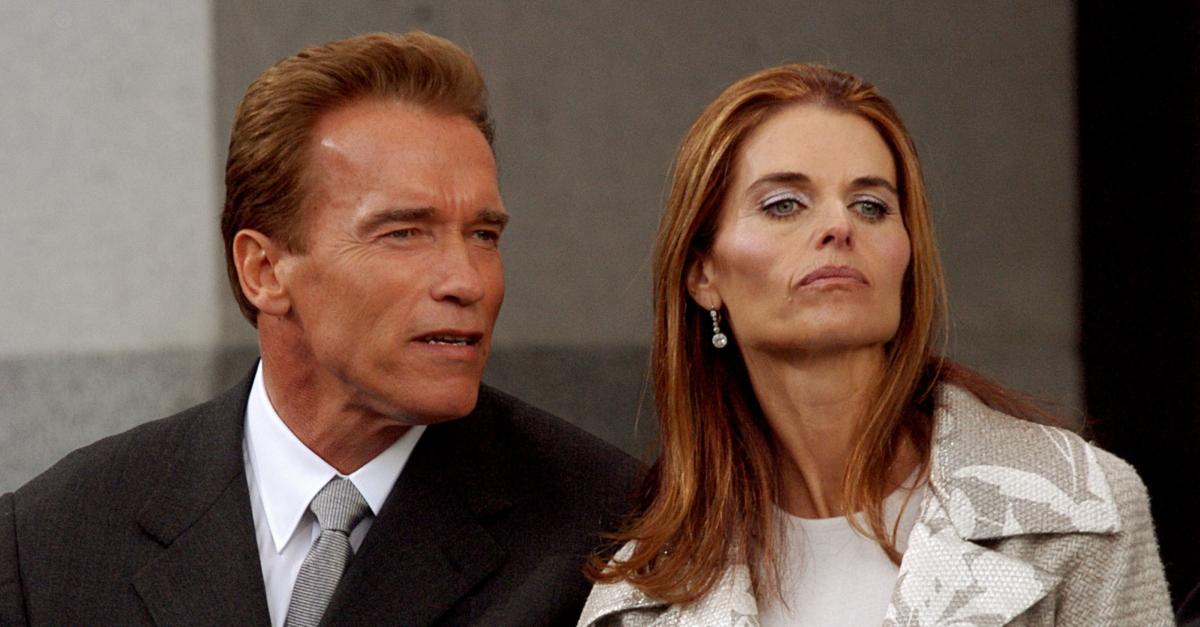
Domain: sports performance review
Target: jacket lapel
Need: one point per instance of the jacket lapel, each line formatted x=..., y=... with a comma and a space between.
x=993, y=477
x=947, y=580
x=430, y=545
x=209, y=571
x=731, y=598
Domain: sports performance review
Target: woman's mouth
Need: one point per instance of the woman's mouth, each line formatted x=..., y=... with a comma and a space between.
x=833, y=275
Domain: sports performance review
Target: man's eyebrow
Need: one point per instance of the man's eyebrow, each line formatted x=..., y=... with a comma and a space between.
x=493, y=217
x=388, y=216
x=418, y=214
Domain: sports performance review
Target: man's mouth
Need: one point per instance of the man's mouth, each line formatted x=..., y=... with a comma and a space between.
x=451, y=339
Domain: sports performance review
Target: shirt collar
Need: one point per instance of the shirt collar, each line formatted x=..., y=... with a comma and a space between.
x=289, y=474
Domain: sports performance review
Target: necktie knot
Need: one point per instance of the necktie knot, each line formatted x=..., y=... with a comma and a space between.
x=339, y=506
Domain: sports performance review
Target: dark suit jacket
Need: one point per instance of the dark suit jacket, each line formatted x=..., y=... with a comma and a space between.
x=1189, y=610
x=489, y=523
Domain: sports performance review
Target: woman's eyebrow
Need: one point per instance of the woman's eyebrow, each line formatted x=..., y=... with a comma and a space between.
x=796, y=178
x=776, y=178
x=874, y=181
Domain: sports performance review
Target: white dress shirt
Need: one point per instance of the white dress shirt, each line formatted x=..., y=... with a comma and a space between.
x=284, y=475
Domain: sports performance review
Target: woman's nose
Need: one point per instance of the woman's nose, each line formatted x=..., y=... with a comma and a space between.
x=835, y=228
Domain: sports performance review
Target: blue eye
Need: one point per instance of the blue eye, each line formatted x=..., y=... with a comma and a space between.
x=782, y=207
x=487, y=236
x=871, y=209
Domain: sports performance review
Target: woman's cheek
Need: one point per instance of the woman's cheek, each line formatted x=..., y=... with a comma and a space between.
x=746, y=252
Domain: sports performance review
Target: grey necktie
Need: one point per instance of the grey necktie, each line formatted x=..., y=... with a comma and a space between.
x=339, y=507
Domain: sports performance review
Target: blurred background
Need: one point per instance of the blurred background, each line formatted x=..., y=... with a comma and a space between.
x=1060, y=145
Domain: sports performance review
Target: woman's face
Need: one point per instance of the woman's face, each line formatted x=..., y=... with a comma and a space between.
x=811, y=250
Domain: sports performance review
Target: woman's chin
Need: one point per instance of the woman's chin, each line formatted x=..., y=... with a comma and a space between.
x=821, y=339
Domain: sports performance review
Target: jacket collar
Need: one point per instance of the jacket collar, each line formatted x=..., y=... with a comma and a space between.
x=428, y=547
x=997, y=477
x=993, y=477
x=433, y=541
x=732, y=597
x=200, y=515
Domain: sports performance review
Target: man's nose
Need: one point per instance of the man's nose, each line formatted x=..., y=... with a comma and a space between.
x=458, y=279
x=835, y=228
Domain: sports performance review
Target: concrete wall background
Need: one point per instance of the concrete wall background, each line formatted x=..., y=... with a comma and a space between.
x=108, y=169
x=115, y=310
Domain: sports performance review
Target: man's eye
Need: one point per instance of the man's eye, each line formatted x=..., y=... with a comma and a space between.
x=485, y=235
x=402, y=233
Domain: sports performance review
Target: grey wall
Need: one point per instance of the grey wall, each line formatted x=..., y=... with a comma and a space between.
x=108, y=299
x=115, y=310
x=108, y=168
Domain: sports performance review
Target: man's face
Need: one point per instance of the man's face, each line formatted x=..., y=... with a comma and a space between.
x=397, y=292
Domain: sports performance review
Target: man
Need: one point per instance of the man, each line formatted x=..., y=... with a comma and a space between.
x=360, y=473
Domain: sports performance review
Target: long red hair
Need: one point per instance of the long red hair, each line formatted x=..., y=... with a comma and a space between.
x=709, y=500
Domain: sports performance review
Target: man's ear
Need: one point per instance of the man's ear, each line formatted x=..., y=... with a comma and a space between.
x=257, y=257
x=701, y=282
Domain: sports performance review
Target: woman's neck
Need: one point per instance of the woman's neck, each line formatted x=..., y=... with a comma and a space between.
x=815, y=404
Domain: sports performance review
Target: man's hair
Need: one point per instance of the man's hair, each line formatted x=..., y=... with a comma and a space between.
x=272, y=129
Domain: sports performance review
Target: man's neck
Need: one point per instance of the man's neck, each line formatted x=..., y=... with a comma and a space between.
x=340, y=430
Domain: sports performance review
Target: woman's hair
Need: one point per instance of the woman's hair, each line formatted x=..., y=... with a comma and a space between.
x=709, y=501
x=268, y=148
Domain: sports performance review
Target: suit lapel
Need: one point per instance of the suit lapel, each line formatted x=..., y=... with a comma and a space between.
x=209, y=571
x=429, y=546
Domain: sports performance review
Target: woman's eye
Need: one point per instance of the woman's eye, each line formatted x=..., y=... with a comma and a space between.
x=871, y=209
x=782, y=208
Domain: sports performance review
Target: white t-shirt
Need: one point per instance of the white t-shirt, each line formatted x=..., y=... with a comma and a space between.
x=833, y=576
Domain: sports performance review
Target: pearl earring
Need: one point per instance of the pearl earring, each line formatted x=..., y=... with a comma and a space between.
x=719, y=339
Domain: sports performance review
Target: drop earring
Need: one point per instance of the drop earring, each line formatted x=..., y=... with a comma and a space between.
x=719, y=339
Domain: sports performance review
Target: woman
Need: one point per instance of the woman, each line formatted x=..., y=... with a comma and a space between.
x=820, y=463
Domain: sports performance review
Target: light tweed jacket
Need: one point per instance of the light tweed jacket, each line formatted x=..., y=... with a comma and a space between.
x=1023, y=524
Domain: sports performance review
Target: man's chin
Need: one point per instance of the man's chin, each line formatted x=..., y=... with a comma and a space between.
x=435, y=408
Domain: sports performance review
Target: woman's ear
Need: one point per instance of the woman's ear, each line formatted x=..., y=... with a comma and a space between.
x=256, y=257
x=701, y=282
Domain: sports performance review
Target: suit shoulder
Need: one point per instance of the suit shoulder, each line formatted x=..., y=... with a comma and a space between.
x=119, y=466
x=967, y=432
x=1128, y=490
x=558, y=445
x=997, y=463
x=550, y=432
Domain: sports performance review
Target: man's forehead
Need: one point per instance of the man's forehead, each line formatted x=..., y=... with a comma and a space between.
x=379, y=135
x=372, y=121
x=443, y=153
